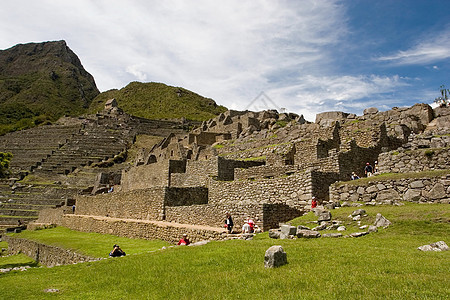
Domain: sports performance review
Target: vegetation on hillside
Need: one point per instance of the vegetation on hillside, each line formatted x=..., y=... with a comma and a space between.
x=159, y=101
x=382, y=265
x=40, y=82
x=5, y=159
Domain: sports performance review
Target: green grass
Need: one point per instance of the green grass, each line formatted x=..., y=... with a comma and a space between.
x=154, y=100
x=383, y=265
x=91, y=244
x=17, y=260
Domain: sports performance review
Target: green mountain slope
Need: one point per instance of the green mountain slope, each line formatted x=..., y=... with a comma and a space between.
x=159, y=101
x=40, y=82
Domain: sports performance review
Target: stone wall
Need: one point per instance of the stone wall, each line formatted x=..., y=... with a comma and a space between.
x=226, y=167
x=45, y=254
x=144, y=176
x=145, y=204
x=197, y=173
x=402, y=161
x=426, y=189
x=141, y=229
x=52, y=215
x=292, y=190
x=185, y=196
x=261, y=172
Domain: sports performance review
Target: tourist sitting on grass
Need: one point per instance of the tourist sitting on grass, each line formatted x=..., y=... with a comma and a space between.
x=246, y=228
x=251, y=224
x=116, y=252
x=184, y=241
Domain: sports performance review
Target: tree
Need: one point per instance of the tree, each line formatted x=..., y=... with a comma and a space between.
x=5, y=159
x=443, y=100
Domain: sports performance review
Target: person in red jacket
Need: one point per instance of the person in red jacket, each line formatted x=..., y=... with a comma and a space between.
x=184, y=240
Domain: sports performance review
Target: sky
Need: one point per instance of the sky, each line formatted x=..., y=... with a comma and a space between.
x=297, y=56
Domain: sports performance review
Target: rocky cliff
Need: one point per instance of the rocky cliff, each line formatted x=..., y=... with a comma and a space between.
x=42, y=81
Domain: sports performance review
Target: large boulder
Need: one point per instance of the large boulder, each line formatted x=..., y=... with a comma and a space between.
x=287, y=230
x=275, y=256
x=370, y=111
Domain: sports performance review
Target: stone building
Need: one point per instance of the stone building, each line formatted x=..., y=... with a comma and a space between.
x=264, y=165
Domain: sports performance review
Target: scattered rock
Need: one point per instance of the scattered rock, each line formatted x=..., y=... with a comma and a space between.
x=300, y=227
x=341, y=228
x=274, y=233
x=51, y=291
x=275, y=256
x=359, y=234
x=200, y=243
x=324, y=215
x=358, y=212
x=381, y=221
x=373, y=228
x=438, y=246
x=332, y=235
x=308, y=234
x=320, y=227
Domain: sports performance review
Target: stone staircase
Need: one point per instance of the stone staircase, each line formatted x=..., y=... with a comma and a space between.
x=21, y=202
x=91, y=144
x=31, y=147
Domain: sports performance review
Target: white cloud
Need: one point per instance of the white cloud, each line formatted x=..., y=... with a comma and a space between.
x=428, y=51
x=315, y=94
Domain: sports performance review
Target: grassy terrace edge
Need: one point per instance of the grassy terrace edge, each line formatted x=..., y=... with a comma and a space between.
x=396, y=176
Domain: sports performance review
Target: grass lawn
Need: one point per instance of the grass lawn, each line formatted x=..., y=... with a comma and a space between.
x=383, y=265
x=91, y=244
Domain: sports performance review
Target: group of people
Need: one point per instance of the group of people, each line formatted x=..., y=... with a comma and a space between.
x=369, y=170
x=117, y=251
x=248, y=227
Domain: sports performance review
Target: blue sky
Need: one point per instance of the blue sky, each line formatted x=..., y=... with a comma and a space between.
x=306, y=56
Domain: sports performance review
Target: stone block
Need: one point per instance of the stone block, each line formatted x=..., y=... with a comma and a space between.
x=288, y=230
x=275, y=257
x=381, y=221
x=324, y=215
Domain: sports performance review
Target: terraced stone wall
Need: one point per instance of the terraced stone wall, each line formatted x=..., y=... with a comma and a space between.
x=140, y=229
x=293, y=190
x=423, y=190
x=45, y=254
x=145, y=204
x=145, y=176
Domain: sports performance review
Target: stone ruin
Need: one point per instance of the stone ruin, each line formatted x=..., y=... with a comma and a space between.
x=266, y=165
